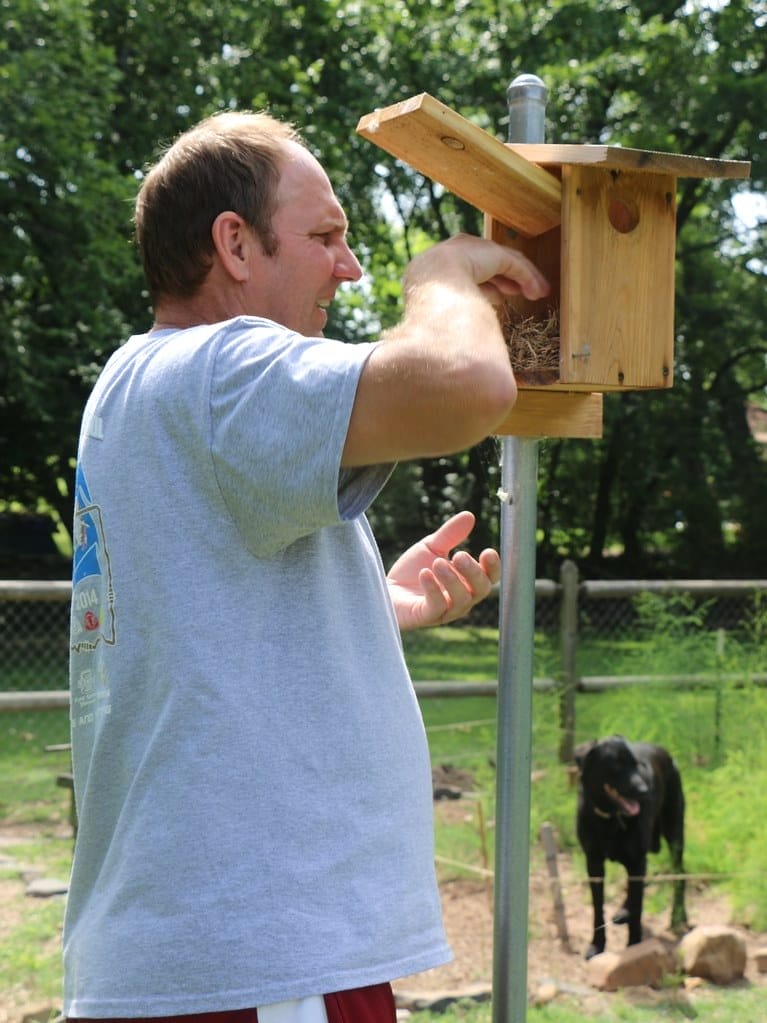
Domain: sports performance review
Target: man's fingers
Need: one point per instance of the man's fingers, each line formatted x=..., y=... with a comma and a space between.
x=496, y=269
x=507, y=270
x=521, y=275
x=490, y=562
x=463, y=580
x=452, y=587
x=451, y=533
x=436, y=600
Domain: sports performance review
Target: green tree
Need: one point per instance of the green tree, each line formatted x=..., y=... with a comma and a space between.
x=89, y=90
x=62, y=265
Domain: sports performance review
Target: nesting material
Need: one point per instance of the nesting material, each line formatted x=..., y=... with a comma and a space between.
x=533, y=345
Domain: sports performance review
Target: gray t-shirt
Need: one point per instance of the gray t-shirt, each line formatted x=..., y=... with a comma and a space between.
x=251, y=769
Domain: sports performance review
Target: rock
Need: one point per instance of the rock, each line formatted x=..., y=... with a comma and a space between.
x=546, y=992
x=446, y=792
x=44, y=887
x=692, y=983
x=439, y=1001
x=714, y=952
x=47, y=1015
x=644, y=963
x=450, y=782
x=760, y=958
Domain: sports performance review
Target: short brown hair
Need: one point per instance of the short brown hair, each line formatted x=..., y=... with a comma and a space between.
x=230, y=161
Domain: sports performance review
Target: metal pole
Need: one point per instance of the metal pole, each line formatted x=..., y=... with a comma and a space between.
x=519, y=471
x=568, y=633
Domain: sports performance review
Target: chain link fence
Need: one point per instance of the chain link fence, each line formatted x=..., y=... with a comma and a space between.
x=679, y=632
x=34, y=662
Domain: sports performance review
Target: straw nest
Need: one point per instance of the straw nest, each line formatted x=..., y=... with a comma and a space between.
x=533, y=344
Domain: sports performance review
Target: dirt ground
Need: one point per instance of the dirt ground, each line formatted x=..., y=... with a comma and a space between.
x=18, y=1005
x=468, y=909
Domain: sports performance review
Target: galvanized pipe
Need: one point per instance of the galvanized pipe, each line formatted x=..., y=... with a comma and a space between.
x=519, y=474
x=526, y=98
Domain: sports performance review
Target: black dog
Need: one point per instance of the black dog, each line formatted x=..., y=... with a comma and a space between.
x=629, y=795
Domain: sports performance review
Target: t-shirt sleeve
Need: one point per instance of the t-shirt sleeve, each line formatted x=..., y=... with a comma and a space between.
x=280, y=405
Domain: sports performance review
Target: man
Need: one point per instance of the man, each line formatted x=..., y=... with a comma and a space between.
x=251, y=772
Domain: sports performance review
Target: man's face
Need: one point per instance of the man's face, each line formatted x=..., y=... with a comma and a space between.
x=295, y=285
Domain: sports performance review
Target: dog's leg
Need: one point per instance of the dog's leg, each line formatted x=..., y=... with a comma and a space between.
x=673, y=830
x=624, y=913
x=678, y=910
x=632, y=910
x=622, y=916
x=596, y=869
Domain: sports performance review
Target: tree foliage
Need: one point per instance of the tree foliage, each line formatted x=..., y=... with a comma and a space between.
x=89, y=90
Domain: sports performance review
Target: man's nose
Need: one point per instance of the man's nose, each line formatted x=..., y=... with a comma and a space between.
x=347, y=267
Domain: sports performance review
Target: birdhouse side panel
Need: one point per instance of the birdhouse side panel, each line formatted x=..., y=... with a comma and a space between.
x=617, y=279
x=545, y=251
x=531, y=328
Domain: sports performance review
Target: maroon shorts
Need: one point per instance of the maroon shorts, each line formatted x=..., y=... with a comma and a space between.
x=360, y=1005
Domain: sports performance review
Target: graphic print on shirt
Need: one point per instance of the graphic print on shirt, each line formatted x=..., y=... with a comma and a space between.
x=93, y=613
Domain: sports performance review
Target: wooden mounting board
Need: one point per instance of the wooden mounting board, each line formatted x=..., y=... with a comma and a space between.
x=618, y=158
x=547, y=413
x=482, y=170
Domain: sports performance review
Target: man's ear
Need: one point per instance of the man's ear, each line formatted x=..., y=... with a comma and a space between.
x=234, y=242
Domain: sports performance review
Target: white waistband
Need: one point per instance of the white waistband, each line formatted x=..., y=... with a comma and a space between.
x=302, y=1010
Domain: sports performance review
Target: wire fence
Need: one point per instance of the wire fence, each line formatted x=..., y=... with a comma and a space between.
x=588, y=636
x=697, y=647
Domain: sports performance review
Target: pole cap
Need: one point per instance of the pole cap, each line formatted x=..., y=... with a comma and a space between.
x=527, y=87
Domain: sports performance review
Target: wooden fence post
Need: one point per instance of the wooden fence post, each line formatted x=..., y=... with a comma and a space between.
x=550, y=848
x=568, y=621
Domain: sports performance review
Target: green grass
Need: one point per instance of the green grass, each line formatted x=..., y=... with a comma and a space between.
x=668, y=637
x=725, y=1005
x=452, y=653
x=22, y=731
x=30, y=953
x=31, y=803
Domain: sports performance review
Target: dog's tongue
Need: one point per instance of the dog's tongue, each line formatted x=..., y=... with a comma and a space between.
x=629, y=806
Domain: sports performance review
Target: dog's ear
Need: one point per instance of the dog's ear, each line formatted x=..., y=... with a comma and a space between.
x=581, y=751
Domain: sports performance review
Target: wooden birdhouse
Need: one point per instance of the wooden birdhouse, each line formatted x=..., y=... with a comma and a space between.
x=600, y=223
